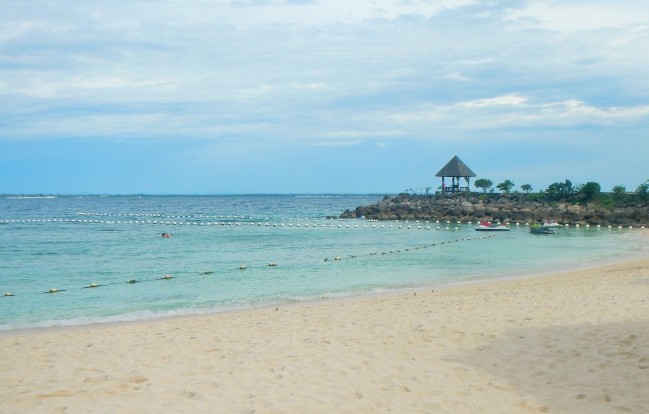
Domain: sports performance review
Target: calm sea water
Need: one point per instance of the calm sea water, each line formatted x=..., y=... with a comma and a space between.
x=234, y=252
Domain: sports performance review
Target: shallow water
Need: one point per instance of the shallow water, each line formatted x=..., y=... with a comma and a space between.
x=69, y=243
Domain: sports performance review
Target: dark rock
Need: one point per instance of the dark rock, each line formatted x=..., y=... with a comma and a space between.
x=496, y=207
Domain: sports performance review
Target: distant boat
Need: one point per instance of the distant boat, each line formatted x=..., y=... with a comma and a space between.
x=551, y=223
x=539, y=229
x=488, y=226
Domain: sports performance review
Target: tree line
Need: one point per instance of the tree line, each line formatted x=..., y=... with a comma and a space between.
x=567, y=191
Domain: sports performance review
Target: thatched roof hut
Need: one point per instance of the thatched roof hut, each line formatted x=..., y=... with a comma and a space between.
x=455, y=169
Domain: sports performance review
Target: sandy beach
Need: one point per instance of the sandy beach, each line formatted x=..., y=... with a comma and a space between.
x=575, y=342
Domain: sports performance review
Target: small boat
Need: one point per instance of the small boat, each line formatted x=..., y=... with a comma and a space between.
x=488, y=226
x=551, y=223
x=540, y=229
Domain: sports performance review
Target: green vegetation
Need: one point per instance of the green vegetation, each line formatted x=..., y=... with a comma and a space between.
x=589, y=191
x=567, y=192
x=642, y=192
x=560, y=192
x=484, y=184
x=506, y=186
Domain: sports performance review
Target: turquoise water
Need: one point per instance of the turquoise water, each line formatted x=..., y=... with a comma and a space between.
x=69, y=243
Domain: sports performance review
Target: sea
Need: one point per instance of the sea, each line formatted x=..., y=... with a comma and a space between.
x=81, y=260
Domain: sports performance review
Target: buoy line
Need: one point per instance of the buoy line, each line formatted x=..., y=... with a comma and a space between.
x=312, y=224
x=394, y=251
x=242, y=220
x=168, y=277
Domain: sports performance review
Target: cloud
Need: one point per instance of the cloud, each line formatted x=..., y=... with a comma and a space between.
x=516, y=111
x=458, y=77
x=286, y=70
x=509, y=100
x=580, y=15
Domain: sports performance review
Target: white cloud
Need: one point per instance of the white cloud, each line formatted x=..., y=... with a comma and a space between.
x=331, y=12
x=458, y=77
x=286, y=70
x=515, y=111
x=508, y=100
x=581, y=15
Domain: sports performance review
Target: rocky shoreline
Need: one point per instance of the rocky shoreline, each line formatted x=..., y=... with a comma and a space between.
x=465, y=207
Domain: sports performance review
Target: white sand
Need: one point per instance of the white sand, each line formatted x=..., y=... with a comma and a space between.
x=575, y=342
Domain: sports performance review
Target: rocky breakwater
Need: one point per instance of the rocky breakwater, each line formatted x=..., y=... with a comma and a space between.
x=497, y=207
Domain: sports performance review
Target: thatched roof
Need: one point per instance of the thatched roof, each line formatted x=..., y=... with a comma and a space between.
x=455, y=168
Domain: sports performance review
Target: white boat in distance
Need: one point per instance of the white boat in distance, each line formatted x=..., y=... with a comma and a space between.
x=489, y=226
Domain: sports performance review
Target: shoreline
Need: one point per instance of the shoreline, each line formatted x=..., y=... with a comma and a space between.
x=631, y=256
x=569, y=342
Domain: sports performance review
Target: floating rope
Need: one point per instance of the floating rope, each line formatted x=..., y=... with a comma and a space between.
x=273, y=264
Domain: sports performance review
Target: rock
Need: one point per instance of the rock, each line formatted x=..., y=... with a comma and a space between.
x=503, y=207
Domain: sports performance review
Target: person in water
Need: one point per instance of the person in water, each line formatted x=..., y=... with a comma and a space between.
x=166, y=235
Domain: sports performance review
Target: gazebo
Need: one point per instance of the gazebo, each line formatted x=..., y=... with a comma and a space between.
x=455, y=169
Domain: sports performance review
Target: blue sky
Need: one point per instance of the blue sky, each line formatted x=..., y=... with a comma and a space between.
x=299, y=96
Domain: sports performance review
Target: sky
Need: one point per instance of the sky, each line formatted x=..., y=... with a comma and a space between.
x=319, y=96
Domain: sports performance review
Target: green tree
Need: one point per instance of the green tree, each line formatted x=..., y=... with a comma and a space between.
x=589, y=191
x=642, y=192
x=619, y=194
x=560, y=191
x=527, y=188
x=506, y=186
x=484, y=184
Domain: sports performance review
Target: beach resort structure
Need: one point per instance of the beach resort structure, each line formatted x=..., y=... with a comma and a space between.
x=455, y=169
